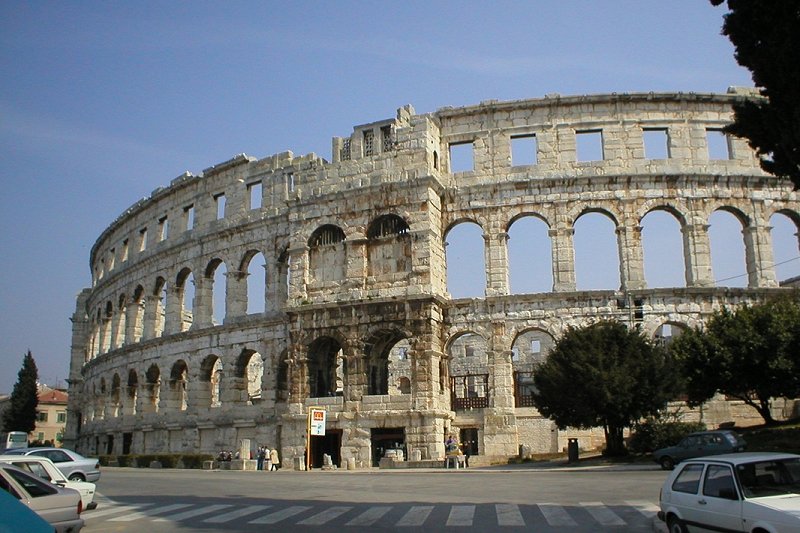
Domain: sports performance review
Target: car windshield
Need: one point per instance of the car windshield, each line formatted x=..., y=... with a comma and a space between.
x=769, y=478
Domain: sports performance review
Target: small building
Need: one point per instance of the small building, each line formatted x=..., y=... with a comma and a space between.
x=51, y=415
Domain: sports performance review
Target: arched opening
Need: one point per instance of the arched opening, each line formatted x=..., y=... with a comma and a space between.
x=216, y=272
x=327, y=255
x=388, y=246
x=464, y=254
x=116, y=395
x=596, y=252
x=177, y=385
x=118, y=333
x=325, y=369
x=662, y=244
x=667, y=332
x=728, y=260
x=108, y=318
x=530, y=256
x=256, y=266
x=383, y=351
x=282, y=381
x=185, y=285
x=139, y=304
x=469, y=371
x=529, y=349
x=160, y=303
x=133, y=393
x=250, y=374
x=785, y=245
x=153, y=378
x=211, y=375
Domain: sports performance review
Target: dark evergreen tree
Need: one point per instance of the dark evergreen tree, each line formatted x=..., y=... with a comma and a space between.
x=766, y=36
x=21, y=412
x=604, y=375
x=751, y=354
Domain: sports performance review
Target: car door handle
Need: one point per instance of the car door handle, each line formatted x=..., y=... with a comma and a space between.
x=702, y=502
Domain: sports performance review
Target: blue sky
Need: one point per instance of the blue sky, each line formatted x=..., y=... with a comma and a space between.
x=102, y=102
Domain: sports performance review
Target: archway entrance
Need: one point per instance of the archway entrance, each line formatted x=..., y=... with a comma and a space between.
x=387, y=439
x=331, y=444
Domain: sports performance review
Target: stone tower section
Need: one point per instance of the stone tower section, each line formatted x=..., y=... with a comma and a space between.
x=226, y=304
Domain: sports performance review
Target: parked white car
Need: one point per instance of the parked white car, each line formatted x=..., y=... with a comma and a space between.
x=746, y=492
x=60, y=506
x=45, y=469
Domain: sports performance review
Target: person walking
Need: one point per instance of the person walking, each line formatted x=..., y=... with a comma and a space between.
x=261, y=455
x=273, y=458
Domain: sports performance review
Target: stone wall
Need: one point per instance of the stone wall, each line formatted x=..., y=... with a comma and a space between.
x=356, y=314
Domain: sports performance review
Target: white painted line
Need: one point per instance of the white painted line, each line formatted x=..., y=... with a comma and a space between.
x=508, y=514
x=233, y=515
x=283, y=514
x=556, y=515
x=148, y=512
x=369, y=517
x=191, y=514
x=461, y=515
x=603, y=514
x=415, y=516
x=324, y=517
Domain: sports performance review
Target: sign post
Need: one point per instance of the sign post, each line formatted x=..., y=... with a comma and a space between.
x=317, y=418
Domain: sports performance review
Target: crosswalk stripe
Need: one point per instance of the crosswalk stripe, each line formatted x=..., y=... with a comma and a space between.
x=324, y=517
x=277, y=516
x=157, y=510
x=461, y=515
x=508, y=514
x=556, y=515
x=233, y=515
x=603, y=514
x=191, y=514
x=369, y=517
x=415, y=516
x=648, y=509
x=114, y=510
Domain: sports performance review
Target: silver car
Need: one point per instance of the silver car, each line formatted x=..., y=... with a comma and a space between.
x=44, y=468
x=73, y=465
x=61, y=507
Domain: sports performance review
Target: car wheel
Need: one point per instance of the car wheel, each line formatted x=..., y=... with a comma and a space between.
x=675, y=525
x=76, y=476
x=667, y=463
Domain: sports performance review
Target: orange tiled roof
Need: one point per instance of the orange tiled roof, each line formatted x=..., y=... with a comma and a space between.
x=48, y=395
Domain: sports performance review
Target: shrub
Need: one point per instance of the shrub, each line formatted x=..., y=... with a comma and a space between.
x=655, y=433
x=194, y=460
x=124, y=460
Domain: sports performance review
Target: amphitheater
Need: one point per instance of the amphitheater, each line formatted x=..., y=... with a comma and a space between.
x=226, y=304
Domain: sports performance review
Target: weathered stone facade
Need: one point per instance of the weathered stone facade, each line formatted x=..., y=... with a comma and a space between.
x=357, y=317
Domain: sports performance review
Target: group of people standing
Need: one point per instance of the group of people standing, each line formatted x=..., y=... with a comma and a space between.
x=268, y=458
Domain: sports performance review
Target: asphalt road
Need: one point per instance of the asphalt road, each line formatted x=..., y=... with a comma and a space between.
x=542, y=499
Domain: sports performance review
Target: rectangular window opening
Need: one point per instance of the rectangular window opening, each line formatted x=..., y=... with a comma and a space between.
x=656, y=143
x=386, y=138
x=718, y=144
x=255, y=194
x=461, y=157
x=163, y=228
x=219, y=200
x=112, y=256
x=124, y=250
x=369, y=143
x=523, y=150
x=589, y=145
x=188, y=215
x=290, y=181
x=143, y=239
x=536, y=346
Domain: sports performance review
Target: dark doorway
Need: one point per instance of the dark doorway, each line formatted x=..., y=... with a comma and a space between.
x=387, y=439
x=110, y=445
x=469, y=441
x=127, y=440
x=330, y=443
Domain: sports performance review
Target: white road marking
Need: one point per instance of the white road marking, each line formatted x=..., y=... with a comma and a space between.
x=324, y=517
x=415, y=516
x=156, y=510
x=191, y=514
x=556, y=515
x=283, y=514
x=508, y=514
x=369, y=517
x=233, y=515
x=461, y=515
x=603, y=514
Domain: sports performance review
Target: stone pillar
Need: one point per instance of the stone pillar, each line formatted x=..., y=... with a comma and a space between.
x=298, y=272
x=236, y=293
x=151, y=309
x=355, y=379
x=198, y=393
x=563, y=259
x=496, y=257
x=697, y=255
x=760, y=259
x=133, y=323
x=356, y=269
x=298, y=373
x=500, y=423
x=203, y=303
x=173, y=319
x=631, y=258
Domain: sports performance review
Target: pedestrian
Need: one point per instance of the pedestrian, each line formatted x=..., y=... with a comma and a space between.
x=267, y=462
x=273, y=458
x=261, y=455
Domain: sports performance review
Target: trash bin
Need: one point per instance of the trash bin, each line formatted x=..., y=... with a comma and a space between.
x=572, y=450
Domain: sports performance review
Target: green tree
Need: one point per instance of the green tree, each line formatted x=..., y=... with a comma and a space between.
x=21, y=413
x=603, y=375
x=751, y=354
x=766, y=36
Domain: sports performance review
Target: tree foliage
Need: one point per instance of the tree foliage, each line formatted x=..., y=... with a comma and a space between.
x=21, y=412
x=766, y=36
x=751, y=354
x=603, y=375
